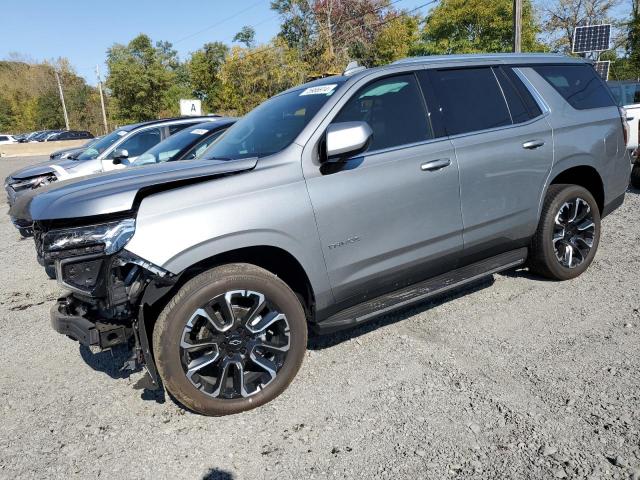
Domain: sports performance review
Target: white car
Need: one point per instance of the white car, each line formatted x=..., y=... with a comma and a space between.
x=627, y=94
x=6, y=139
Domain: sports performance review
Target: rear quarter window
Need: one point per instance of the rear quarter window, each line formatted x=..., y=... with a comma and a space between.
x=579, y=85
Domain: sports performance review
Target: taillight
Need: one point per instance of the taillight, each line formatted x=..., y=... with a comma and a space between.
x=625, y=124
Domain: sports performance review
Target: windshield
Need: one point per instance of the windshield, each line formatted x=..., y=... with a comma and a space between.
x=101, y=145
x=167, y=150
x=271, y=126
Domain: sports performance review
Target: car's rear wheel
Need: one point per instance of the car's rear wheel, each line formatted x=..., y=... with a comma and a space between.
x=568, y=234
x=635, y=176
x=232, y=339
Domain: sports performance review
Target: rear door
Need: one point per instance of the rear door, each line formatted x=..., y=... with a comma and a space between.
x=389, y=216
x=504, y=151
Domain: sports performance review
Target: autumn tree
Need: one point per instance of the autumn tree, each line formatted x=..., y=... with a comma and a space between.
x=250, y=76
x=476, y=26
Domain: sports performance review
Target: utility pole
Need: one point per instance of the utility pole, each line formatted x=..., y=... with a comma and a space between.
x=517, y=26
x=104, y=114
x=64, y=107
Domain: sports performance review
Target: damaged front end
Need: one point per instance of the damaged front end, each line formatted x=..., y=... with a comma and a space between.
x=106, y=301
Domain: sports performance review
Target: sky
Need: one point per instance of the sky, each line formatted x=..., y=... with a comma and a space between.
x=82, y=31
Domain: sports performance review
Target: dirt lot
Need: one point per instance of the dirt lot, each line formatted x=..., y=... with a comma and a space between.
x=513, y=378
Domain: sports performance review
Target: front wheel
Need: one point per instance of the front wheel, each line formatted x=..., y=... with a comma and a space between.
x=232, y=339
x=568, y=233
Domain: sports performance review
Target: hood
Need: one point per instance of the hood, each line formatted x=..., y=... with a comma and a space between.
x=117, y=191
x=57, y=153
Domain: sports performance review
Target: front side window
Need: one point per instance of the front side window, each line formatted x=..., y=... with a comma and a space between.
x=101, y=145
x=200, y=148
x=273, y=125
x=580, y=85
x=394, y=109
x=140, y=142
x=471, y=99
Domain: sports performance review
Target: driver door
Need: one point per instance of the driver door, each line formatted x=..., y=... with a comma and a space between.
x=390, y=216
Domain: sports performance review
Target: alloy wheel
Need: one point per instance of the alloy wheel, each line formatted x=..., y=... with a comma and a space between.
x=573, y=232
x=234, y=345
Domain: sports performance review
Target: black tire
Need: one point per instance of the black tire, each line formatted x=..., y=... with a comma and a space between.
x=543, y=258
x=169, y=331
x=25, y=232
x=51, y=271
x=635, y=176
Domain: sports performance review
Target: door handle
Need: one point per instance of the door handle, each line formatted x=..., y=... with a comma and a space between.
x=435, y=165
x=532, y=144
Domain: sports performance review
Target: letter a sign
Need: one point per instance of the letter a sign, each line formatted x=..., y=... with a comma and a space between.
x=191, y=108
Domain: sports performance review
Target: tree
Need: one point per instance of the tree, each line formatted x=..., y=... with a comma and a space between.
x=327, y=34
x=204, y=69
x=246, y=35
x=139, y=77
x=560, y=17
x=633, y=40
x=396, y=39
x=250, y=76
x=476, y=26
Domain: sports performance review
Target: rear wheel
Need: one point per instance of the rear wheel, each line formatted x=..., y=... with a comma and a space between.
x=635, y=176
x=232, y=339
x=568, y=233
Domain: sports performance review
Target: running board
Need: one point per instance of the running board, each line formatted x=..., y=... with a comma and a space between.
x=420, y=291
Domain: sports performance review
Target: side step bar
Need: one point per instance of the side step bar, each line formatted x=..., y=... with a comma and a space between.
x=420, y=291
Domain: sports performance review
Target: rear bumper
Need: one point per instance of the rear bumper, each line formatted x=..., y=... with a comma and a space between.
x=86, y=331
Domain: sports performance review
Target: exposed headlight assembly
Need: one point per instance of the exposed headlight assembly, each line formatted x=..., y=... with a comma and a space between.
x=34, y=182
x=106, y=238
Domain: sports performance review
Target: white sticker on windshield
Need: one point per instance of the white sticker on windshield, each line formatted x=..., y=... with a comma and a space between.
x=199, y=131
x=122, y=133
x=320, y=90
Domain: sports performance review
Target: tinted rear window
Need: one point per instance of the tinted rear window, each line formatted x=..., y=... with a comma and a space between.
x=625, y=93
x=471, y=100
x=580, y=85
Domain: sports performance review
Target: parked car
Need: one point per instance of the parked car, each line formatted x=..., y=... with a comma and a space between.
x=6, y=139
x=69, y=135
x=72, y=152
x=627, y=94
x=43, y=135
x=125, y=143
x=185, y=145
x=327, y=205
x=28, y=136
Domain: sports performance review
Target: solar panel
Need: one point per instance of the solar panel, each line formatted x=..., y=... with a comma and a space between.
x=592, y=38
x=603, y=69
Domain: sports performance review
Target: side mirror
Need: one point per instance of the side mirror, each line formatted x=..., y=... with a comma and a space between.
x=119, y=154
x=347, y=138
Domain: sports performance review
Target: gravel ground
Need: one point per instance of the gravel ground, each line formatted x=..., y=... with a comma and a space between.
x=513, y=378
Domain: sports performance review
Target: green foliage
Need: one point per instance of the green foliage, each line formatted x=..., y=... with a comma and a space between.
x=247, y=36
x=250, y=76
x=29, y=98
x=203, y=70
x=140, y=76
x=476, y=26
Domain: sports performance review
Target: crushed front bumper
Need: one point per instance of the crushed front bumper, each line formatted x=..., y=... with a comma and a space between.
x=67, y=321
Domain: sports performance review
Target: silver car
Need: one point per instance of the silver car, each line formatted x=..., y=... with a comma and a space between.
x=329, y=204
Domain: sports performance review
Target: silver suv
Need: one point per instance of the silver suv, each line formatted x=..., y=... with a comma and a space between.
x=327, y=205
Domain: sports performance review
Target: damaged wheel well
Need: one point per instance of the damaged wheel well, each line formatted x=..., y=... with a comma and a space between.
x=276, y=260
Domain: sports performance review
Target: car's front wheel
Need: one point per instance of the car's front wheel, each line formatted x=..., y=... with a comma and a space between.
x=568, y=233
x=232, y=339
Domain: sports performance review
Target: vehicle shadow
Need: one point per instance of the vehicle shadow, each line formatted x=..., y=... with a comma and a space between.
x=111, y=362
x=633, y=190
x=216, y=474
x=320, y=342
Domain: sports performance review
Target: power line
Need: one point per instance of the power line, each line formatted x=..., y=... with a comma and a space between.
x=219, y=23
